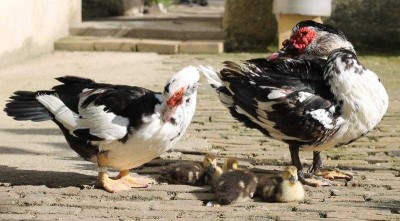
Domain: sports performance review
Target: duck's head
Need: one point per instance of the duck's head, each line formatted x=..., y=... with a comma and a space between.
x=290, y=174
x=181, y=91
x=230, y=164
x=210, y=162
x=312, y=39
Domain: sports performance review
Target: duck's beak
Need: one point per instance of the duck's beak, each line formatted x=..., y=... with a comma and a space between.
x=169, y=111
x=211, y=169
x=288, y=51
x=293, y=179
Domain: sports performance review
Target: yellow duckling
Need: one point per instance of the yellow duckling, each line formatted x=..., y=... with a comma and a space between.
x=286, y=188
x=230, y=164
x=234, y=185
x=193, y=173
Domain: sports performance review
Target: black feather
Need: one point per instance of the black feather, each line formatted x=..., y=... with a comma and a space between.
x=24, y=106
x=85, y=134
x=249, y=87
x=320, y=27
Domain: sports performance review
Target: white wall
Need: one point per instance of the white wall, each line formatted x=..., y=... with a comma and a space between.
x=30, y=27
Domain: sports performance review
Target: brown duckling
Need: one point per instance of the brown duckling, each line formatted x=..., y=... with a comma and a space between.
x=286, y=188
x=234, y=185
x=193, y=173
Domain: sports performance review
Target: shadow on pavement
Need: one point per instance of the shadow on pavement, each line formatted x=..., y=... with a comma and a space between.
x=16, y=150
x=33, y=131
x=60, y=145
x=51, y=179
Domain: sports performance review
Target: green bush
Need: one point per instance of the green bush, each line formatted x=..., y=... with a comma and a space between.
x=371, y=25
x=250, y=25
x=101, y=8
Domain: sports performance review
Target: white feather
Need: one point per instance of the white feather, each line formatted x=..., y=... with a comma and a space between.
x=61, y=112
x=302, y=96
x=211, y=76
x=323, y=117
x=365, y=100
x=276, y=94
x=100, y=123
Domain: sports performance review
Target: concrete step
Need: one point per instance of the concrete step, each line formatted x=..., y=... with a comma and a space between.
x=166, y=29
x=78, y=43
x=215, y=19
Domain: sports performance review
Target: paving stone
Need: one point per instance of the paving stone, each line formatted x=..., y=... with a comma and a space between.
x=25, y=181
x=75, y=44
x=116, y=44
x=158, y=46
x=197, y=47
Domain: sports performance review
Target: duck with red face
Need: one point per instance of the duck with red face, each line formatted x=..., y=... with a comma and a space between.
x=310, y=39
x=313, y=94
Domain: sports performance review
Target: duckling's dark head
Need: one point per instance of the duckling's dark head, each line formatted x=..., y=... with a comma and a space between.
x=230, y=164
x=290, y=173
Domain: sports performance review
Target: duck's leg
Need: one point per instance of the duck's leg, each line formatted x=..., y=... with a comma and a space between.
x=111, y=185
x=317, y=163
x=107, y=183
x=134, y=182
x=331, y=174
x=122, y=182
x=294, y=153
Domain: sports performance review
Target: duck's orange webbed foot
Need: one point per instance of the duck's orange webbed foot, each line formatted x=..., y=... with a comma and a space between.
x=334, y=174
x=110, y=185
x=134, y=182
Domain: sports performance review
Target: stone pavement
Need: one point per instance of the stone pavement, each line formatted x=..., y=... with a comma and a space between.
x=42, y=179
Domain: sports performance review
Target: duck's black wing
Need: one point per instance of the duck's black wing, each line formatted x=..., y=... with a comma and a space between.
x=108, y=112
x=286, y=99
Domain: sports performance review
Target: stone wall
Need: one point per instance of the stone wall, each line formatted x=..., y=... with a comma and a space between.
x=29, y=28
x=250, y=25
x=372, y=25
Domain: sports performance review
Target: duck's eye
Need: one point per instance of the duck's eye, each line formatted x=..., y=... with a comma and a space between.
x=166, y=88
x=379, y=79
x=188, y=100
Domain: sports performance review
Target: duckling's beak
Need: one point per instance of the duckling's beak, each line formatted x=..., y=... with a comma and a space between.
x=211, y=169
x=293, y=179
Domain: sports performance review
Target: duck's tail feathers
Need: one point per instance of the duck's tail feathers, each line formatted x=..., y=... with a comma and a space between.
x=211, y=75
x=40, y=106
x=23, y=105
x=59, y=110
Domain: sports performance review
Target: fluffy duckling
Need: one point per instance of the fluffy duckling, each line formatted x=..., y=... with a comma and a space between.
x=193, y=173
x=286, y=188
x=234, y=185
x=230, y=164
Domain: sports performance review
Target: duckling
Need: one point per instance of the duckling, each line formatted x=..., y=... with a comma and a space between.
x=193, y=173
x=234, y=185
x=286, y=188
x=230, y=164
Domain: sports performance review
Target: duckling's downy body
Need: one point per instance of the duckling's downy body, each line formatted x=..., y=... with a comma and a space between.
x=286, y=188
x=234, y=185
x=192, y=173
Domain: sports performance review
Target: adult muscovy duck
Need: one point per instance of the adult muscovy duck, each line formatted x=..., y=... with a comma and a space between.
x=308, y=102
x=115, y=126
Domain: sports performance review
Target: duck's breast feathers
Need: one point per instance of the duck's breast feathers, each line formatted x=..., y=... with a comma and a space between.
x=286, y=99
x=107, y=114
